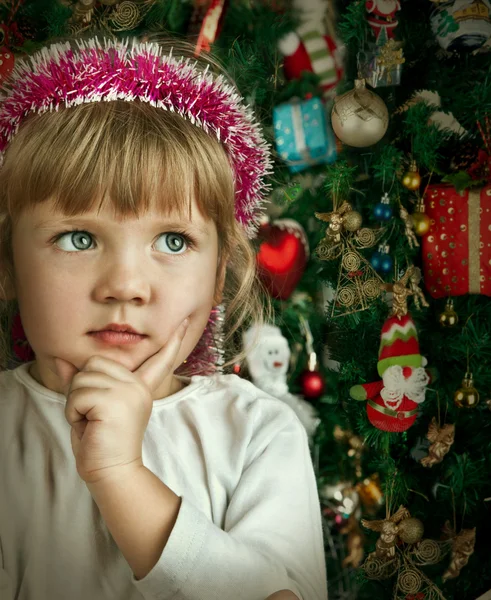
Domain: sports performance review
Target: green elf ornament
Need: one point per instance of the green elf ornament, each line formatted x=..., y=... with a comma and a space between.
x=392, y=403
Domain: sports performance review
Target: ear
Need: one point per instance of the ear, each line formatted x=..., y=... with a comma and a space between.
x=220, y=280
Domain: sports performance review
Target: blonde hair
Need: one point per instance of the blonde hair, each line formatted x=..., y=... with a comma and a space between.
x=126, y=153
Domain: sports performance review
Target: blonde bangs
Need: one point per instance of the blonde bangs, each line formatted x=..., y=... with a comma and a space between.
x=130, y=154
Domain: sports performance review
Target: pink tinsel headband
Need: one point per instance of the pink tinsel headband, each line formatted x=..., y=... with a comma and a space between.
x=129, y=70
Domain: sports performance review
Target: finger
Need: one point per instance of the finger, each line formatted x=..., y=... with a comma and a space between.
x=102, y=364
x=93, y=379
x=84, y=404
x=156, y=368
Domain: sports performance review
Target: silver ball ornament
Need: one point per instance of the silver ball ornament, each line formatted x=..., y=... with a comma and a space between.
x=359, y=117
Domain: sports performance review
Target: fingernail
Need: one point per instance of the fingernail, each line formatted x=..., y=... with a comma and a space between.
x=185, y=323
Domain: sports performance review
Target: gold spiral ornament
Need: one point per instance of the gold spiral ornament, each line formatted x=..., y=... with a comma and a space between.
x=371, y=288
x=126, y=16
x=376, y=568
x=351, y=261
x=409, y=581
x=365, y=237
x=346, y=296
x=74, y=29
x=427, y=552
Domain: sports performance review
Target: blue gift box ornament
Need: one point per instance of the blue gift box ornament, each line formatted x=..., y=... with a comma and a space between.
x=303, y=135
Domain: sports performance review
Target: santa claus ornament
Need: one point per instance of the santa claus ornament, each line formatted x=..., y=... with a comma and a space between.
x=392, y=403
x=381, y=18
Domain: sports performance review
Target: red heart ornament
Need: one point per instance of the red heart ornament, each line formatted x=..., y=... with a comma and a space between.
x=282, y=256
x=7, y=63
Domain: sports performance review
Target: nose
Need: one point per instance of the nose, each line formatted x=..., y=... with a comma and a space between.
x=277, y=364
x=124, y=278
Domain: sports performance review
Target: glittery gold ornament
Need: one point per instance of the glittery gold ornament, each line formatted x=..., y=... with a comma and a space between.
x=448, y=318
x=421, y=221
x=411, y=530
x=352, y=220
x=359, y=117
x=467, y=396
x=412, y=179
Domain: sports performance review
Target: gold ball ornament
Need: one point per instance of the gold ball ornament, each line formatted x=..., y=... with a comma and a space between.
x=411, y=530
x=467, y=396
x=359, y=117
x=352, y=220
x=420, y=220
x=412, y=179
x=449, y=318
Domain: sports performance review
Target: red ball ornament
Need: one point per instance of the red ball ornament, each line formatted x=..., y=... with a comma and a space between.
x=313, y=384
x=282, y=256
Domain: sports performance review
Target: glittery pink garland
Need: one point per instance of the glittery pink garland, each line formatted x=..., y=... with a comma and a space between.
x=128, y=70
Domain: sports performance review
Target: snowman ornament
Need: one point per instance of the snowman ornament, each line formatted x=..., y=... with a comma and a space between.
x=268, y=359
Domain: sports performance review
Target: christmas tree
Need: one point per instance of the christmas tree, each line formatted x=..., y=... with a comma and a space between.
x=376, y=255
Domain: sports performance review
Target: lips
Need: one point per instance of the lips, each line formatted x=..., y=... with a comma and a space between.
x=117, y=338
x=120, y=328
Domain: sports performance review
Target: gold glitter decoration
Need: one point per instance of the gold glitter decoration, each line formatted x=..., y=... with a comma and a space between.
x=126, y=16
x=411, y=530
x=347, y=296
x=378, y=569
x=111, y=15
x=354, y=284
x=358, y=283
x=366, y=238
x=390, y=57
x=371, y=289
x=392, y=556
x=427, y=552
x=351, y=261
x=409, y=581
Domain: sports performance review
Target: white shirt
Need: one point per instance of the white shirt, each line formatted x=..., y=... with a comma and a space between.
x=250, y=518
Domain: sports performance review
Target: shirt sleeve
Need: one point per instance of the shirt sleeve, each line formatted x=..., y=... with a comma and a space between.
x=272, y=538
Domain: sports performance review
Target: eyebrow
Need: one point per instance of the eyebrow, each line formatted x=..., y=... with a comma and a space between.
x=90, y=222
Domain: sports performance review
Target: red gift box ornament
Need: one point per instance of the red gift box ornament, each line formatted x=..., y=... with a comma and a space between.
x=282, y=256
x=457, y=250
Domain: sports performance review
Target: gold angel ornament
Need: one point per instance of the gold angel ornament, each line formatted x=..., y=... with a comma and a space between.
x=441, y=439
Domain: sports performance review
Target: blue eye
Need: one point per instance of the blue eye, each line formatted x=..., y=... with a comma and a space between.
x=175, y=243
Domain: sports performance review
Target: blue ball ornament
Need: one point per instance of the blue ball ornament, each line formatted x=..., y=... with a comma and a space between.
x=376, y=260
x=382, y=211
x=386, y=263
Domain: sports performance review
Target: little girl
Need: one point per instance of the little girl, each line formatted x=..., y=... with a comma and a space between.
x=131, y=466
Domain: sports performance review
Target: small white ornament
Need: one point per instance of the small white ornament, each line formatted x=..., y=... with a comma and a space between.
x=268, y=360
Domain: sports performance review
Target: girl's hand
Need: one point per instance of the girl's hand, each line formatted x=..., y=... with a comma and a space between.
x=108, y=408
x=283, y=595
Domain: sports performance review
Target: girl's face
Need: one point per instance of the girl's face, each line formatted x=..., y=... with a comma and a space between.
x=149, y=272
